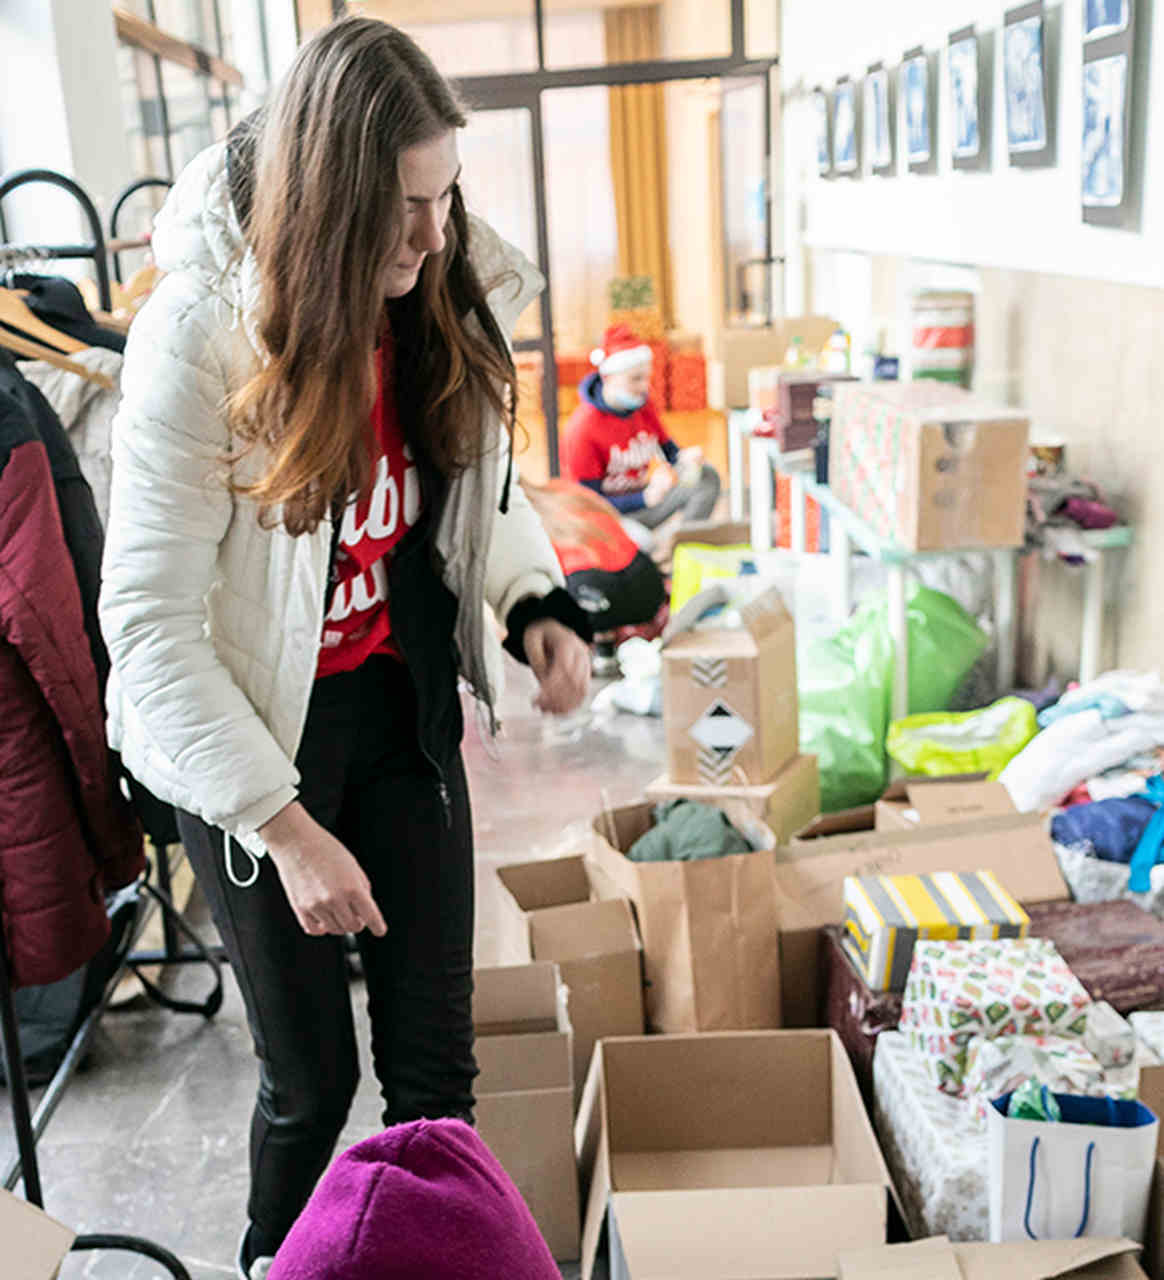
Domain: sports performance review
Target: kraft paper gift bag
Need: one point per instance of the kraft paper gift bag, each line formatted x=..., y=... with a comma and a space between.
x=1088, y=1174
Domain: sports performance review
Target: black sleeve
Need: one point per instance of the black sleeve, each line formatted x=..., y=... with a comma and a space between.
x=670, y=451
x=559, y=605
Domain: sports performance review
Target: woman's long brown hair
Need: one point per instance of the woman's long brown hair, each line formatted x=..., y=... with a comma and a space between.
x=327, y=215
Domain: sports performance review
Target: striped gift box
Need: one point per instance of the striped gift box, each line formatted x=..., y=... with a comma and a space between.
x=886, y=915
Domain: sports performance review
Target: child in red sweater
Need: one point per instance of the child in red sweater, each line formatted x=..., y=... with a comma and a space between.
x=615, y=435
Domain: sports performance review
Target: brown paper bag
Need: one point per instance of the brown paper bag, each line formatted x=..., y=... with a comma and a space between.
x=710, y=929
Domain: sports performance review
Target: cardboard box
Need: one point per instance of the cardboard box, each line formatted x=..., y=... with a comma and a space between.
x=739, y=1154
x=744, y=348
x=730, y=710
x=938, y=1259
x=785, y=804
x=709, y=928
x=914, y=802
x=1152, y=1096
x=34, y=1244
x=886, y=915
x=547, y=914
x=810, y=877
x=525, y=1092
x=928, y=466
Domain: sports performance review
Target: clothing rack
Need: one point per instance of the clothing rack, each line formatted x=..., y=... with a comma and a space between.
x=133, y=188
x=29, y=1127
x=95, y=252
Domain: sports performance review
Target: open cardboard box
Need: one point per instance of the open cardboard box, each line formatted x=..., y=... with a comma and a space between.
x=525, y=1092
x=33, y=1244
x=810, y=876
x=1152, y=1096
x=547, y=914
x=785, y=804
x=709, y=927
x=938, y=1259
x=728, y=1155
x=935, y=802
x=730, y=708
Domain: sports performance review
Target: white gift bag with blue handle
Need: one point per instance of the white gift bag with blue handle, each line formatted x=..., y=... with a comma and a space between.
x=1088, y=1174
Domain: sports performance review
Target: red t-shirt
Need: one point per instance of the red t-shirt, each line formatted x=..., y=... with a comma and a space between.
x=359, y=621
x=617, y=451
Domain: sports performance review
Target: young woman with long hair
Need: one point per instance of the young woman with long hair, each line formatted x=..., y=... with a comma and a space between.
x=312, y=507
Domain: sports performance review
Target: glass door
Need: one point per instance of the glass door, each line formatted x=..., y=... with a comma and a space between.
x=750, y=267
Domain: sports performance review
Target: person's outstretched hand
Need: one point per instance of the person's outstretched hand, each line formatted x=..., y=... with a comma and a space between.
x=326, y=886
x=560, y=660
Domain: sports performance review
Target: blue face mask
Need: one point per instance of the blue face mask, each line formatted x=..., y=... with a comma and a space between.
x=621, y=402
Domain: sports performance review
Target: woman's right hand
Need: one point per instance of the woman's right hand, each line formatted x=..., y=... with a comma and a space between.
x=326, y=886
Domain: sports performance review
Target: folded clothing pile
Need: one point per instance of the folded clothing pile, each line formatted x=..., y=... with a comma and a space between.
x=686, y=831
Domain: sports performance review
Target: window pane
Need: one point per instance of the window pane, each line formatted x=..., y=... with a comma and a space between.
x=498, y=182
x=472, y=38
x=191, y=20
x=636, y=32
x=761, y=28
x=745, y=201
x=141, y=112
x=191, y=128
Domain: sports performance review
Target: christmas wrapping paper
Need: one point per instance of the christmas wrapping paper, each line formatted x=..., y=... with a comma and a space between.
x=1149, y=1029
x=629, y=292
x=1000, y=1065
x=687, y=391
x=1109, y=1037
x=937, y=1153
x=959, y=990
x=644, y=322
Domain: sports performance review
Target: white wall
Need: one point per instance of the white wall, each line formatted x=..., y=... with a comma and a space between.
x=60, y=109
x=1013, y=218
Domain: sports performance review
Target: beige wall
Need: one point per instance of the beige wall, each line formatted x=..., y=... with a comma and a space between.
x=1084, y=358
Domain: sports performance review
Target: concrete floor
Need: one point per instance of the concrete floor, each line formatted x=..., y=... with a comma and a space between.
x=151, y=1138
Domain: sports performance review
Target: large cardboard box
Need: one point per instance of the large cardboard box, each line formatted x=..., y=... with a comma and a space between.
x=732, y=1155
x=730, y=710
x=936, y=802
x=1152, y=1096
x=547, y=914
x=785, y=804
x=929, y=466
x=938, y=1259
x=743, y=349
x=709, y=928
x=33, y=1244
x=810, y=877
x=525, y=1092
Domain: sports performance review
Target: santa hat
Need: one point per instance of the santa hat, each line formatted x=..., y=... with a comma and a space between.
x=621, y=350
x=421, y=1201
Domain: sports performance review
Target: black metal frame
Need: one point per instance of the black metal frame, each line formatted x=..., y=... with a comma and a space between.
x=95, y=252
x=133, y=188
x=524, y=89
x=29, y=1127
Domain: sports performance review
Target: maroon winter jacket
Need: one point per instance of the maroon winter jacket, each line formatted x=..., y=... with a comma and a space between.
x=66, y=834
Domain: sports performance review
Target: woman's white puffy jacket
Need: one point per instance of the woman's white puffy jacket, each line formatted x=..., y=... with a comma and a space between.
x=212, y=621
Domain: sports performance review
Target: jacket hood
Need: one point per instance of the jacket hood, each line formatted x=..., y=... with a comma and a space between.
x=591, y=393
x=198, y=231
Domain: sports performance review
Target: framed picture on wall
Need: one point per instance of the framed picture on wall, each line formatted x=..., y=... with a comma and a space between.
x=879, y=119
x=963, y=63
x=845, y=127
x=1103, y=18
x=917, y=108
x=1028, y=85
x=824, y=154
x=1105, y=102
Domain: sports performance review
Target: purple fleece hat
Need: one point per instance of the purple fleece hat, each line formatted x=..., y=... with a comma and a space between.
x=420, y=1201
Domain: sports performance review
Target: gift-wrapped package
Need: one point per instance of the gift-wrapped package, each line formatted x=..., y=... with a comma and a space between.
x=958, y=990
x=1110, y=1038
x=999, y=1065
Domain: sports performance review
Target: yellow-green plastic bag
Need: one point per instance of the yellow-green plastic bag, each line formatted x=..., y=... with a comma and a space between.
x=984, y=741
x=696, y=565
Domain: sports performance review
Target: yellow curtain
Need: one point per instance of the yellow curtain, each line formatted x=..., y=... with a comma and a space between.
x=638, y=153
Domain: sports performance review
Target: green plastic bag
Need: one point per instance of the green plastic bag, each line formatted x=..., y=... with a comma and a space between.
x=984, y=741
x=846, y=683
x=1033, y=1101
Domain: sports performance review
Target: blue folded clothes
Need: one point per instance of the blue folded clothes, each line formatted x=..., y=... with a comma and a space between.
x=1110, y=829
x=1109, y=707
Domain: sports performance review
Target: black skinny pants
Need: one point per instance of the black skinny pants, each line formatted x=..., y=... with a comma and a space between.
x=364, y=779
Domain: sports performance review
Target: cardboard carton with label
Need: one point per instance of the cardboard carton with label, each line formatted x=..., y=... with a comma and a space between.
x=730, y=710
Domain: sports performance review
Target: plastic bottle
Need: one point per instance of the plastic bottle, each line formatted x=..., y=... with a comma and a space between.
x=836, y=357
x=794, y=356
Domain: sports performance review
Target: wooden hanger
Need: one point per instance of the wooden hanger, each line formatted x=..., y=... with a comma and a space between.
x=35, y=351
x=14, y=311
